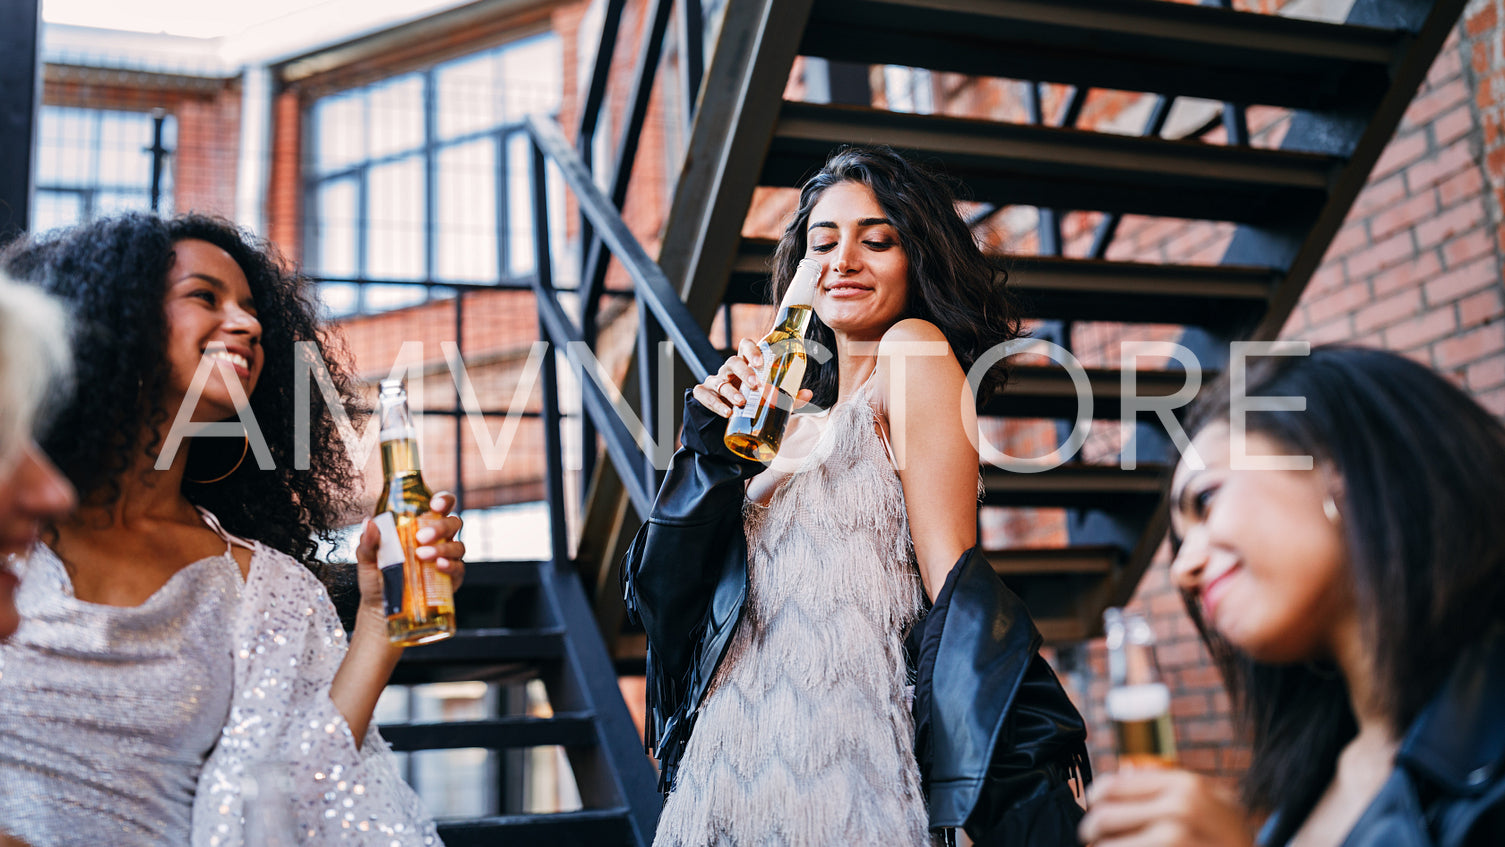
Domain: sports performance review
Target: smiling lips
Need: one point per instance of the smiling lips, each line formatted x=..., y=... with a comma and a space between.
x=846, y=289
x=239, y=361
x=1213, y=591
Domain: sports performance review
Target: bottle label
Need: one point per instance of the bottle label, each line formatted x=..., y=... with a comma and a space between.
x=390, y=558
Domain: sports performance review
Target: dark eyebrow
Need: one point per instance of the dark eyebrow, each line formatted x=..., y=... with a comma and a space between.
x=215, y=281
x=865, y=222
x=220, y=285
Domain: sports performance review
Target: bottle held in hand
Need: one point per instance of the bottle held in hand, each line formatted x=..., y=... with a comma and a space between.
x=1139, y=703
x=419, y=599
x=756, y=429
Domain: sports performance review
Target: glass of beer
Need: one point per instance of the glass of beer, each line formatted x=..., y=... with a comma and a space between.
x=1139, y=703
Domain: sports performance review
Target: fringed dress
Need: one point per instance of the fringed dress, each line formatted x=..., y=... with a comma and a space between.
x=806, y=736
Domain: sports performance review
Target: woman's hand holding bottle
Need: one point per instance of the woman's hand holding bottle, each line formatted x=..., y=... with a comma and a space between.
x=728, y=387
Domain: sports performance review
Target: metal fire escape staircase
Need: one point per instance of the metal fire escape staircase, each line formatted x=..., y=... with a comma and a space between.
x=1347, y=86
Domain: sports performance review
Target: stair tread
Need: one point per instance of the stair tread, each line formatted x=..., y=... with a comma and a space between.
x=493, y=644
x=582, y=828
x=1068, y=288
x=562, y=729
x=1067, y=168
x=1075, y=486
x=1048, y=391
x=1027, y=561
x=1134, y=45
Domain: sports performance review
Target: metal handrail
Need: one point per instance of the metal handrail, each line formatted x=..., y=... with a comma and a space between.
x=648, y=281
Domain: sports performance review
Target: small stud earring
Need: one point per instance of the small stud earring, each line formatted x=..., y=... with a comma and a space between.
x=1330, y=508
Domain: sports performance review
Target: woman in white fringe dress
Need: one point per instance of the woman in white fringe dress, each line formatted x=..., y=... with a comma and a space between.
x=805, y=736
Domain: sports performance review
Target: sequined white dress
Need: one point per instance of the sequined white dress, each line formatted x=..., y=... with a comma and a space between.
x=805, y=738
x=137, y=725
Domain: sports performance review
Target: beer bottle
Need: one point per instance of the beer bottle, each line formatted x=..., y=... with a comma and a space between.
x=419, y=599
x=757, y=428
x=1139, y=703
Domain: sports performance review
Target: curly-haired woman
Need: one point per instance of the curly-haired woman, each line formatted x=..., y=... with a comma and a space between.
x=776, y=600
x=176, y=640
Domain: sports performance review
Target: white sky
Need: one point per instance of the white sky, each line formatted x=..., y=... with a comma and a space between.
x=198, y=18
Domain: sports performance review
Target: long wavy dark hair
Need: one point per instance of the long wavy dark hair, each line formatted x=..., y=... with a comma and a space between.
x=951, y=283
x=1422, y=466
x=112, y=275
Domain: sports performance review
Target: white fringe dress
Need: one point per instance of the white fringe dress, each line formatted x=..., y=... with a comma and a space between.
x=806, y=736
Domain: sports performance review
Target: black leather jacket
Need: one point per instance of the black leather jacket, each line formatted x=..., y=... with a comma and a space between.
x=1448, y=786
x=997, y=739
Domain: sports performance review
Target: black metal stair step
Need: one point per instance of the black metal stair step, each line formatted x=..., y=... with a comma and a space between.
x=1135, y=45
x=1048, y=391
x=1075, y=486
x=478, y=654
x=501, y=573
x=585, y=828
x=1067, y=168
x=1054, y=288
x=1223, y=297
x=1097, y=559
x=564, y=729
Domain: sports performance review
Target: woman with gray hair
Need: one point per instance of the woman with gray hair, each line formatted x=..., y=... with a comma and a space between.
x=33, y=364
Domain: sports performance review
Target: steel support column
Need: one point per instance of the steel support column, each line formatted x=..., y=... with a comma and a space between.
x=20, y=100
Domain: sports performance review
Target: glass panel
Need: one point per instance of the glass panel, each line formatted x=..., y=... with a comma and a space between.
x=467, y=248
x=467, y=95
x=382, y=297
x=531, y=77
x=519, y=205
x=340, y=298
x=111, y=202
x=395, y=108
x=125, y=157
x=335, y=229
x=52, y=209
x=339, y=131
x=66, y=139
x=395, y=220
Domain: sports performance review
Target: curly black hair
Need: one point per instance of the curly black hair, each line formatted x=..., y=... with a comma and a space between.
x=951, y=283
x=112, y=275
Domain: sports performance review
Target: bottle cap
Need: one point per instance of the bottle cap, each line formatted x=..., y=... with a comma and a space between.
x=801, y=291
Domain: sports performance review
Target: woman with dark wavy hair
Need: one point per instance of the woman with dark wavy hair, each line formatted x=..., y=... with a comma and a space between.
x=777, y=600
x=1356, y=609
x=176, y=640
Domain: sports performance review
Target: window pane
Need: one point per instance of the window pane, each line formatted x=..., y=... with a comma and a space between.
x=467, y=212
x=53, y=209
x=339, y=298
x=380, y=298
x=113, y=202
x=531, y=77
x=124, y=155
x=335, y=229
x=66, y=139
x=519, y=205
x=395, y=220
x=467, y=96
x=396, y=116
x=339, y=131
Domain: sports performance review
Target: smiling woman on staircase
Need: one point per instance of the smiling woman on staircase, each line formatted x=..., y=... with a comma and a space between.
x=777, y=600
x=175, y=640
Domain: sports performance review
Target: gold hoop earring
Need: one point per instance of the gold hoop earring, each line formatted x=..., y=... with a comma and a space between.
x=244, y=449
x=1330, y=508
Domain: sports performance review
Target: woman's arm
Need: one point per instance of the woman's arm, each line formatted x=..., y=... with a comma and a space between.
x=369, y=662
x=932, y=423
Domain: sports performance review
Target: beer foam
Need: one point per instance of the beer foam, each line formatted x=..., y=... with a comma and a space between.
x=1138, y=702
x=801, y=291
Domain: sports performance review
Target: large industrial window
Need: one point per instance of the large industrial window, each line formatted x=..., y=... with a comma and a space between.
x=424, y=177
x=92, y=162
